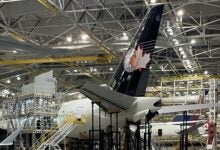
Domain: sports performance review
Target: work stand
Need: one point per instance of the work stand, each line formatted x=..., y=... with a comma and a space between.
x=184, y=133
x=133, y=139
x=105, y=140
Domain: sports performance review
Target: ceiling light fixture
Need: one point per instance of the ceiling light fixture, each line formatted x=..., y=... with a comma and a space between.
x=171, y=33
x=180, y=13
x=180, y=49
x=111, y=69
x=153, y=1
x=206, y=72
x=84, y=36
x=18, y=78
x=193, y=41
x=182, y=53
x=125, y=34
x=79, y=96
x=69, y=38
x=8, y=81
x=169, y=30
x=14, y=51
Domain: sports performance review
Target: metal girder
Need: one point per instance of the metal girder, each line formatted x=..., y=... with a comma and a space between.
x=16, y=34
x=98, y=42
x=49, y=6
x=101, y=58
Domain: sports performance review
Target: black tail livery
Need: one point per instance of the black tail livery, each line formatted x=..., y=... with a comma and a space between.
x=133, y=72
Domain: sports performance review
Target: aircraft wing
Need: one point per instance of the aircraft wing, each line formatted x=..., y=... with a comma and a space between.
x=107, y=99
x=180, y=108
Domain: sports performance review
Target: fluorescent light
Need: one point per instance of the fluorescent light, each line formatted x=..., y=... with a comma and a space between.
x=180, y=49
x=206, y=72
x=193, y=41
x=180, y=12
x=75, y=70
x=111, y=69
x=69, y=38
x=14, y=51
x=94, y=69
x=153, y=1
x=171, y=33
x=8, y=81
x=169, y=30
x=125, y=34
x=79, y=96
x=84, y=36
x=18, y=78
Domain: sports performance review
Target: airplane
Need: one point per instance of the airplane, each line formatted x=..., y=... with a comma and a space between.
x=130, y=81
x=195, y=125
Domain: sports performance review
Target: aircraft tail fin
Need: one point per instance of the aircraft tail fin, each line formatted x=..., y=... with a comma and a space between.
x=133, y=72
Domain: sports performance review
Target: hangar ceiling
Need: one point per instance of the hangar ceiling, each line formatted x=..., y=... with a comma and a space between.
x=44, y=31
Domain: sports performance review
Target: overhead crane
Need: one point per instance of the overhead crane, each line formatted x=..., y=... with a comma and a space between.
x=96, y=58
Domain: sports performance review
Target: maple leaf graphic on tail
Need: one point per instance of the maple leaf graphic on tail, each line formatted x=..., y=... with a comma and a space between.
x=137, y=60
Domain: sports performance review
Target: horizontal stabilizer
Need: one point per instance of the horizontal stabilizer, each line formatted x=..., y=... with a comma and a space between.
x=179, y=108
x=103, y=95
x=192, y=129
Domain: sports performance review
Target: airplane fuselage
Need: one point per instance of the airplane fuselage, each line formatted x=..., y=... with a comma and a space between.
x=83, y=109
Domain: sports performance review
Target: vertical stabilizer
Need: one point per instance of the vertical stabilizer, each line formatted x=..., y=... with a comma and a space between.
x=133, y=72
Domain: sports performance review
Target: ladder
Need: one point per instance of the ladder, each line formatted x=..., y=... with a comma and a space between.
x=56, y=138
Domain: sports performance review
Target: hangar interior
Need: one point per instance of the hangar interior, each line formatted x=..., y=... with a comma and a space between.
x=50, y=48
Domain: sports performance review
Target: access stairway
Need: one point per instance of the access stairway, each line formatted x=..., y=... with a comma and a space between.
x=9, y=140
x=54, y=138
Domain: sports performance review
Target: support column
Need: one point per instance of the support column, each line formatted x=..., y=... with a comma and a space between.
x=145, y=134
x=92, y=125
x=138, y=136
x=149, y=135
x=110, y=134
x=117, y=140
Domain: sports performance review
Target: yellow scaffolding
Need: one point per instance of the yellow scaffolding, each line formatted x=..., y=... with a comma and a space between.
x=190, y=77
x=72, y=119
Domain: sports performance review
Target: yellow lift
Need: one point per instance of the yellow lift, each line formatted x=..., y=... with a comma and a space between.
x=96, y=58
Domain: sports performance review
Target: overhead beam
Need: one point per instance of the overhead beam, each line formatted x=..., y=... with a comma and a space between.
x=96, y=58
x=49, y=6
